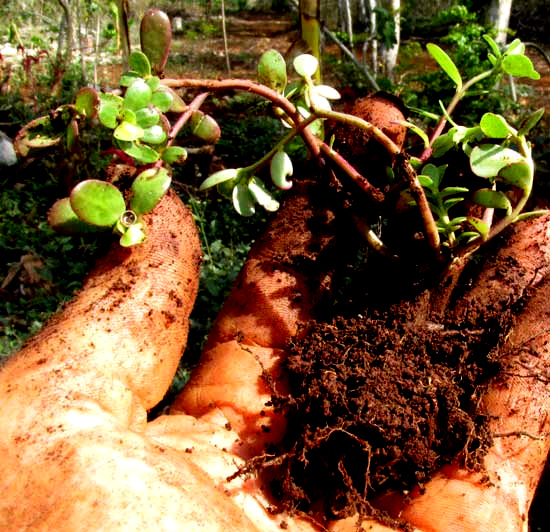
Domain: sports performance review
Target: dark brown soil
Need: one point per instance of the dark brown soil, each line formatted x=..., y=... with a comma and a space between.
x=379, y=402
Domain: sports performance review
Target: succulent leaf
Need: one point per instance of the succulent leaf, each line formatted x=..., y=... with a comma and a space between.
x=97, y=202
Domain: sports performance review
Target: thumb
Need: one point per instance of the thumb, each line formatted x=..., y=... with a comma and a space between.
x=129, y=323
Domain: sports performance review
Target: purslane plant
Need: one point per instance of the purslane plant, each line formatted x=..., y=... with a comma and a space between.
x=142, y=134
x=497, y=151
x=142, y=137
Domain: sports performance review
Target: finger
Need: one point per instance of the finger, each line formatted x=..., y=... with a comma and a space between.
x=75, y=451
x=275, y=292
x=129, y=323
x=516, y=402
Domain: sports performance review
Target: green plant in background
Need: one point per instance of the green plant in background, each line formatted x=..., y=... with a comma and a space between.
x=466, y=43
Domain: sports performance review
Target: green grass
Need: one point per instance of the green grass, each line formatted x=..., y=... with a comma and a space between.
x=40, y=269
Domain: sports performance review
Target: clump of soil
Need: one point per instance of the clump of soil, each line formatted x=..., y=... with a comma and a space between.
x=378, y=404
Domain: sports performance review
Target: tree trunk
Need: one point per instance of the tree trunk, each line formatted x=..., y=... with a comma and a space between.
x=499, y=17
x=348, y=21
x=390, y=52
x=66, y=27
x=310, y=14
x=225, y=45
x=374, y=42
x=123, y=9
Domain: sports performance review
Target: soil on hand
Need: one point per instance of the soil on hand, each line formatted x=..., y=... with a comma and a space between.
x=383, y=392
x=380, y=403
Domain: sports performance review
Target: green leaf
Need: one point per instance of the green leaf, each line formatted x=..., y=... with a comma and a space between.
x=426, y=181
x=516, y=47
x=36, y=134
x=281, y=168
x=468, y=235
x=127, y=132
x=87, y=102
x=162, y=99
x=518, y=174
x=272, y=70
x=495, y=126
x=72, y=135
x=108, y=113
x=205, y=127
x=446, y=64
x=493, y=199
x=140, y=152
x=219, y=177
x=226, y=188
x=156, y=38
x=306, y=65
x=530, y=122
x=418, y=131
x=154, y=135
x=139, y=63
x=243, y=200
x=132, y=236
x=262, y=195
x=448, y=203
x=148, y=188
x=493, y=45
x=435, y=172
x=147, y=117
x=178, y=105
x=326, y=91
x=449, y=191
x=174, y=155
x=97, y=202
x=488, y=160
x=128, y=78
x=153, y=82
x=129, y=116
x=443, y=144
x=63, y=219
x=480, y=226
x=317, y=101
x=519, y=66
x=458, y=220
x=137, y=95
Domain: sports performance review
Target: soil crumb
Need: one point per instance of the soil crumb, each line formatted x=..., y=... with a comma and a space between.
x=378, y=403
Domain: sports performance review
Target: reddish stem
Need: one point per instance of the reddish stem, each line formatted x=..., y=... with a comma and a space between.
x=256, y=88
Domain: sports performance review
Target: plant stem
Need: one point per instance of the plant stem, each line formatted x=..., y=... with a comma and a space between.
x=374, y=193
x=297, y=130
x=254, y=88
x=418, y=194
x=185, y=116
x=459, y=94
x=352, y=120
x=525, y=150
x=181, y=121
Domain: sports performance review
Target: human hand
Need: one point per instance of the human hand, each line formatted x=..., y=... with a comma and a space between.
x=78, y=453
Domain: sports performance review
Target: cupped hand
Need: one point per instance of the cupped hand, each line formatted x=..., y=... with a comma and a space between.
x=77, y=452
